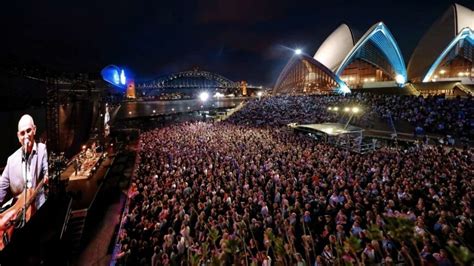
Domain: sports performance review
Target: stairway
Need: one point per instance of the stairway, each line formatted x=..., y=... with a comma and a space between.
x=412, y=89
x=463, y=88
x=75, y=228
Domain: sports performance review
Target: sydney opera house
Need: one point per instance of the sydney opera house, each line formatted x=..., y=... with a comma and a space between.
x=440, y=63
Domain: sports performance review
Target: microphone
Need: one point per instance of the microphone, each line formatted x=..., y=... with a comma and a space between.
x=25, y=148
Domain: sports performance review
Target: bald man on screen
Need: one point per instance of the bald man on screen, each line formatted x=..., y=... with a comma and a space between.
x=27, y=164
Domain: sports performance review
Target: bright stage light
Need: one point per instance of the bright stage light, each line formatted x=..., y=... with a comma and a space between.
x=347, y=109
x=355, y=109
x=204, y=96
x=298, y=51
x=400, y=79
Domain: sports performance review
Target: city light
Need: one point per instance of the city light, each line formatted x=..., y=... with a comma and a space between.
x=123, y=79
x=203, y=96
x=298, y=51
x=116, y=77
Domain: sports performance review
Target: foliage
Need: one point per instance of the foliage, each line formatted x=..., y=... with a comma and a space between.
x=461, y=254
x=400, y=229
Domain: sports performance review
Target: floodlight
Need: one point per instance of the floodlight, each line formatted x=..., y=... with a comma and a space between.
x=400, y=79
x=204, y=96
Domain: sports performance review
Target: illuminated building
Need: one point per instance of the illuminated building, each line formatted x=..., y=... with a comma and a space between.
x=446, y=51
x=303, y=74
x=373, y=58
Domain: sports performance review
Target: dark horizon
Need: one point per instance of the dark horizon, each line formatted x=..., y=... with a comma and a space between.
x=240, y=40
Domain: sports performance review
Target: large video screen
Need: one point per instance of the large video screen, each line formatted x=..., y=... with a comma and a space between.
x=24, y=171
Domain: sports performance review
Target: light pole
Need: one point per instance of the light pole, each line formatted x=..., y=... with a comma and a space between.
x=203, y=96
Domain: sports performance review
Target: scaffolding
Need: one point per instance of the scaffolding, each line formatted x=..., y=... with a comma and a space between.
x=52, y=115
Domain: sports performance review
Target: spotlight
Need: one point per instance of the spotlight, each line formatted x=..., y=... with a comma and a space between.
x=203, y=96
x=298, y=51
x=400, y=79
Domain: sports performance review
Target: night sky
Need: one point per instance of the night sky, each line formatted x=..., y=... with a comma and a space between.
x=240, y=39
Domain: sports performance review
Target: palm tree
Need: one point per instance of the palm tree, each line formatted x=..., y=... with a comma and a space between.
x=353, y=244
x=213, y=235
x=402, y=230
x=462, y=255
x=232, y=248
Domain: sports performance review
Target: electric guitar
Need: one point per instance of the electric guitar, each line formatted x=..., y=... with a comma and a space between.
x=12, y=217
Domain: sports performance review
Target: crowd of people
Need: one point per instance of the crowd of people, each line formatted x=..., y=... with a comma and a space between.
x=432, y=114
x=233, y=193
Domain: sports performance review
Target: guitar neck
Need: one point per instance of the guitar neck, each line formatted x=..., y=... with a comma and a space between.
x=35, y=192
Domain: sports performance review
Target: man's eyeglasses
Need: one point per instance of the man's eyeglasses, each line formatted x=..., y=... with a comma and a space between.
x=27, y=131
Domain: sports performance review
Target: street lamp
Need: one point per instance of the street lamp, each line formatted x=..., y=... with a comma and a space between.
x=203, y=97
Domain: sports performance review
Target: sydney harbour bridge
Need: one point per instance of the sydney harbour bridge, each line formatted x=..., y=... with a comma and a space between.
x=193, y=81
x=190, y=79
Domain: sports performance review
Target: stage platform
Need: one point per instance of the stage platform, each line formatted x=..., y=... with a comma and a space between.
x=329, y=129
x=88, y=166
